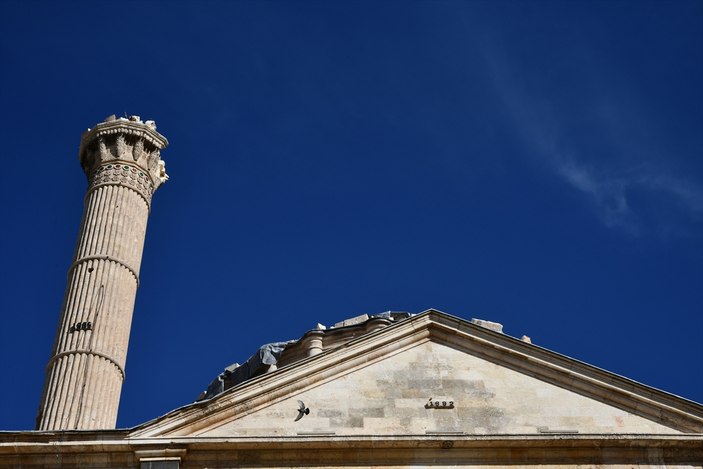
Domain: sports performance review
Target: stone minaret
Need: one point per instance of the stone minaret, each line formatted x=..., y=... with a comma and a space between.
x=121, y=158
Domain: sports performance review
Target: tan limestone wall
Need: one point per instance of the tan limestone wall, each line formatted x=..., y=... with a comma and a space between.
x=391, y=396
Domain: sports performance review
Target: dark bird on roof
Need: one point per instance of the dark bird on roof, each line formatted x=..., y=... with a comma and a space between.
x=302, y=410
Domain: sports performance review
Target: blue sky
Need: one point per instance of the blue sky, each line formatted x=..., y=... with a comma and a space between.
x=534, y=163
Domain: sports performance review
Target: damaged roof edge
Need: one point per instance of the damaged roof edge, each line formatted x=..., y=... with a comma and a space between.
x=437, y=323
x=272, y=355
x=269, y=357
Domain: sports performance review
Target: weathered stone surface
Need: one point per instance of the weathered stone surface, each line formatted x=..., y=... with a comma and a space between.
x=494, y=326
x=85, y=374
x=389, y=397
x=433, y=373
x=115, y=449
x=497, y=401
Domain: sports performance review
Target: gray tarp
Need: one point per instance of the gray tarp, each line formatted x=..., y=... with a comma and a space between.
x=234, y=374
x=266, y=356
x=393, y=315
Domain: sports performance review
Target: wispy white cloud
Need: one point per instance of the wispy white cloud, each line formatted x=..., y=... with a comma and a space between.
x=608, y=194
x=668, y=202
x=629, y=186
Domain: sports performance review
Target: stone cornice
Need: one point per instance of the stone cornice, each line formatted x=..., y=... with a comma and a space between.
x=124, y=143
x=95, y=439
x=120, y=125
x=75, y=449
x=570, y=373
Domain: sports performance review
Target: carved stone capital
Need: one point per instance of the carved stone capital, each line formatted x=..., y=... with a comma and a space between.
x=120, y=142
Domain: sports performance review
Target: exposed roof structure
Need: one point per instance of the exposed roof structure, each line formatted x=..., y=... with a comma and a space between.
x=271, y=356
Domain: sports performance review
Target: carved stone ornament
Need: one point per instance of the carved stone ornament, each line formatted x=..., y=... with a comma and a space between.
x=129, y=147
x=103, y=152
x=121, y=147
x=125, y=175
x=154, y=159
x=138, y=150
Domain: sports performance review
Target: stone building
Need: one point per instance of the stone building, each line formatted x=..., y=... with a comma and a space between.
x=388, y=390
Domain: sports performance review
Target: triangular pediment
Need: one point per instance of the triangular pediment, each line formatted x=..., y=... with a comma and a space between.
x=430, y=374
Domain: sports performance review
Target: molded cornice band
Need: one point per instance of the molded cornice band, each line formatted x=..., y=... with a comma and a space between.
x=105, y=258
x=93, y=188
x=87, y=352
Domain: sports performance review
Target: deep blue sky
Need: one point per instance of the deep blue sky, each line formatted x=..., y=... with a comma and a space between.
x=534, y=163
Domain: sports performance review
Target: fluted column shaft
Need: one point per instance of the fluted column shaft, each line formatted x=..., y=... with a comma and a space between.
x=85, y=374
